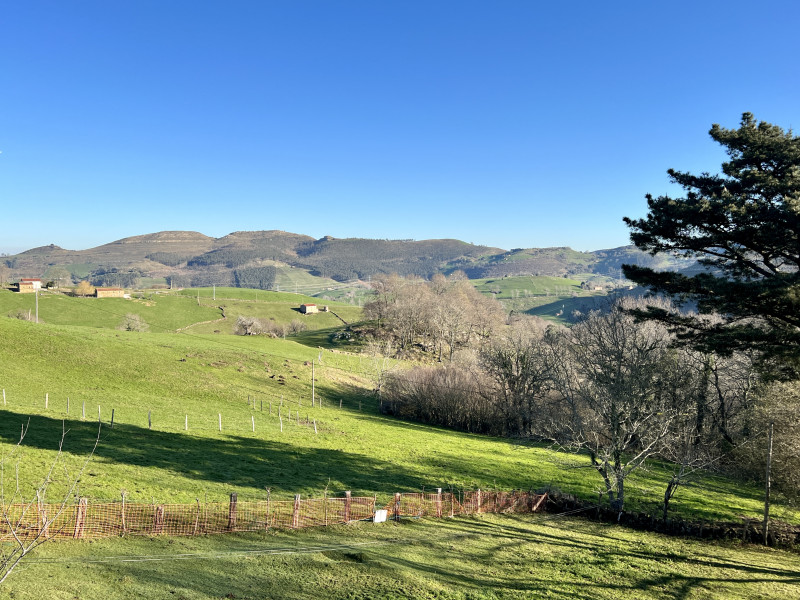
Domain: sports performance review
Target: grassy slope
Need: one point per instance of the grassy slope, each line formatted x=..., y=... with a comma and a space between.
x=177, y=375
x=161, y=311
x=282, y=307
x=487, y=557
x=552, y=298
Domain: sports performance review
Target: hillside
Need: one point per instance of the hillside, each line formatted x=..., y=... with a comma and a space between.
x=257, y=259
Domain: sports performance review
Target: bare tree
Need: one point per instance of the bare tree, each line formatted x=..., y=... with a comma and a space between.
x=519, y=366
x=622, y=414
x=133, y=322
x=16, y=507
x=248, y=326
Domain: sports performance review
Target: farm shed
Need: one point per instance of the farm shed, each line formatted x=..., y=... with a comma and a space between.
x=29, y=286
x=109, y=292
x=307, y=309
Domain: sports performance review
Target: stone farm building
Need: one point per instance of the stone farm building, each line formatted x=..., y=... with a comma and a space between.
x=307, y=309
x=109, y=293
x=29, y=286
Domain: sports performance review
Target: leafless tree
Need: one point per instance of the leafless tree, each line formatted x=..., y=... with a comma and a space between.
x=17, y=506
x=622, y=414
x=518, y=365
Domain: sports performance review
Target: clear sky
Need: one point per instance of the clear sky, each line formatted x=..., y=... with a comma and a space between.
x=505, y=123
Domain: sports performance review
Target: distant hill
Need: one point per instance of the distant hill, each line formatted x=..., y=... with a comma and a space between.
x=255, y=259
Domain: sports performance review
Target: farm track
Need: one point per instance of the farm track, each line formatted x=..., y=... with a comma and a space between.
x=223, y=318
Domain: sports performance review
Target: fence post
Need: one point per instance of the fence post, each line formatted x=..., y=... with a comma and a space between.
x=186, y=422
x=158, y=519
x=253, y=421
x=46, y=399
x=219, y=416
x=4, y=397
x=112, y=418
x=124, y=526
x=197, y=518
x=83, y=410
x=80, y=517
x=347, y=501
x=296, y=512
x=149, y=420
x=478, y=495
x=232, y=512
x=438, y=502
x=397, y=506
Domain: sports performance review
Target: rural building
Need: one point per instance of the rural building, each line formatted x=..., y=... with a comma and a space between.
x=307, y=309
x=29, y=286
x=109, y=292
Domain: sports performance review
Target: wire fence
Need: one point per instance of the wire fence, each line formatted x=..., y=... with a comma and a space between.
x=83, y=520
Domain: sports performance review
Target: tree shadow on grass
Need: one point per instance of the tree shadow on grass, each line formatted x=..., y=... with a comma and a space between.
x=514, y=556
x=239, y=461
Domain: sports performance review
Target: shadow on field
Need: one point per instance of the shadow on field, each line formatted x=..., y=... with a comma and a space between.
x=236, y=460
x=469, y=557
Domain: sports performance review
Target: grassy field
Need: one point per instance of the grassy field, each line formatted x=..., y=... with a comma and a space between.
x=552, y=298
x=487, y=557
x=51, y=373
x=281, y=307
x=180, y=377
x=163, y=312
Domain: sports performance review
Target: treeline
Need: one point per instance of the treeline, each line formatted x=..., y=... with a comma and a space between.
x=616, y=389
x=356, y=258
x=169, y=259
x=103, y=277
x=439, y=316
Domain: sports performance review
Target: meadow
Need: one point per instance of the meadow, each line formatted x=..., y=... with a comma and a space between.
x=169, y=392
x=489, y=557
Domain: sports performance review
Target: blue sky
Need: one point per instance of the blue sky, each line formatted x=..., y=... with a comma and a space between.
x=510, y=124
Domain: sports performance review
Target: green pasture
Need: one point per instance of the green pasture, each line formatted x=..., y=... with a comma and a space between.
x=161, y=311
x=487, y=557
x=527, y=286
x=183, y=377
x=281, y=307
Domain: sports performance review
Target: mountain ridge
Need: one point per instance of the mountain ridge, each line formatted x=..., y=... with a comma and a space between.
x=198, y=259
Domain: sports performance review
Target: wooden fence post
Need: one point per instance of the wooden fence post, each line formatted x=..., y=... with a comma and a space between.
x=253, y=422
x=4, y=397
x=347, y=501
x=112, y=418
x=219, y=416
x=232, y=512
x=186, y=422
x=397, y=506
x=124, y=525
x=439, y=502
x=149, y=420
x=478, y=495
x=80, y=518
x=83, y=410
x=158, y=519
x=46, y=400
x=296, y=512
x=197, y=518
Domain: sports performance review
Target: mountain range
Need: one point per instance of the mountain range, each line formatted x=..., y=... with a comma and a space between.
x=250, y=258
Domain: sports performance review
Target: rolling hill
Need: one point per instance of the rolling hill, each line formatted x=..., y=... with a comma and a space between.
x=261, y=258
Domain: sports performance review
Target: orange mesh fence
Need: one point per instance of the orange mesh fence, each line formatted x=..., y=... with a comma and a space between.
x=472, y=502
x=91, y=521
